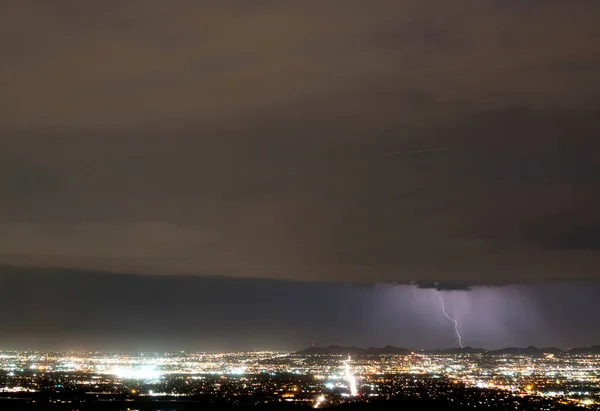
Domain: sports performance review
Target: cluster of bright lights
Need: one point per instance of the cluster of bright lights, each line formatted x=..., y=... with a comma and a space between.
x=145, y=373
x=320, y=399
x=16, y=389
x=239, y=370
x=521, y=374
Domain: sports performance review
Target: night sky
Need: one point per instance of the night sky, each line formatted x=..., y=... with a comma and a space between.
x=267, y=171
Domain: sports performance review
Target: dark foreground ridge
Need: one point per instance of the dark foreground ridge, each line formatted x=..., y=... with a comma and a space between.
x=359, y=352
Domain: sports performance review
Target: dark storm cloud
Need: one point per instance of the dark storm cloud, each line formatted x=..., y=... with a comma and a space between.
x=587, y=238
x=248, y=141
x=442, y=286
x=74, y=309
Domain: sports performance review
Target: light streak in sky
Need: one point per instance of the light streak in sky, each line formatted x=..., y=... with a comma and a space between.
x=458, y=336
x=423, y=150
x=351, y=379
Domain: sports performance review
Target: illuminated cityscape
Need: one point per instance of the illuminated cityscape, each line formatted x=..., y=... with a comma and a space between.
x=315, y=377
x=198, y=198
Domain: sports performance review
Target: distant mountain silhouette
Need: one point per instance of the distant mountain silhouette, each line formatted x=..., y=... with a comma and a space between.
x=359, y=352
x=551, y=350
x=389, y=349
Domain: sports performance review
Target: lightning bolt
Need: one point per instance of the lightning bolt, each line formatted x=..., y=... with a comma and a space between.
x=459, y=338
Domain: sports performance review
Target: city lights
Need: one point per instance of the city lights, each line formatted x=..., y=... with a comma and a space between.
x=140, y=373
x=317, y=380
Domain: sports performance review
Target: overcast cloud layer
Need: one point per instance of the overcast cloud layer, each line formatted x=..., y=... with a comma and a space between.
x=248, y=139
x=73, y=309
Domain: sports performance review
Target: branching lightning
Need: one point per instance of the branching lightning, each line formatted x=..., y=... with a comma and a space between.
x=458, y=336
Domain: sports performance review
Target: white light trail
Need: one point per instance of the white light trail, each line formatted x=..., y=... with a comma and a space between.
x=319, y=401
x=458, y=336
x=351, y=379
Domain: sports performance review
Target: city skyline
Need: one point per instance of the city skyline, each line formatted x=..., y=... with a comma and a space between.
x=319, y=379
